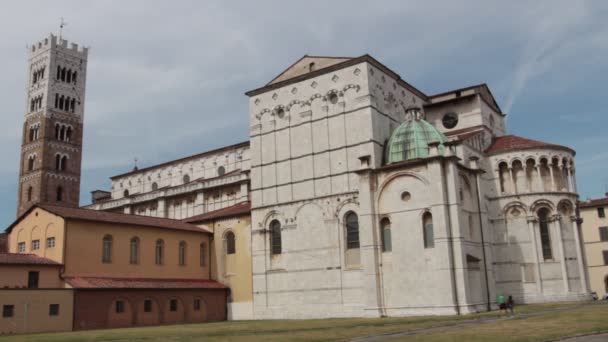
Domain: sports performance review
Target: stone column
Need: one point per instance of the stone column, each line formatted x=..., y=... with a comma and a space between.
x=552, y=176
x=557, y=223
x=199, y=203
x=513, y=182
x=534, y=241
x=528, y=181
x=579, y=254
x=161, y=209
x=541, y=184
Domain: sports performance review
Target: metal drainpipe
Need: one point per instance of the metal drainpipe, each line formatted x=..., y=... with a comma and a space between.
x=450, y=239
x=483, y=245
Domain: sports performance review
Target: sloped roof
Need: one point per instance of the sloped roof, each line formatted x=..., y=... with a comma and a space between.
x=514, y=142
x=25, y=259
x=141, y=283
x=235, y=210
x=103, y=216
x=594, y=202
x=302, y=66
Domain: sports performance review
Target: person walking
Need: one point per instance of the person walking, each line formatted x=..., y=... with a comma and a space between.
x=510, y=304
x=501, y=303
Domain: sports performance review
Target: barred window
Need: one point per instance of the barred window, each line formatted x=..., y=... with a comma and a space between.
x=230, y=243
x=160, y=251
x=545, y=236
x=428, y=230
x=182, y=253
x=134, y=251
x=275, y=237
x=603, y=233
x=106, y=250
x=385, y=230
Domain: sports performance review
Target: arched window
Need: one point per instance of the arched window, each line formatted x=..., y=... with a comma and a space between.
x=385, y=229
x=126, y=193
x=61, y=99
x=134, y=251
x=154, y=186
x=203, y=250
x=221, y=171
x=57, y=162
x=106, y=249
x=74, y=77
x=352, y=230
x=427, y=230
x=30, y=163
x=64, y=163
x=160, y=252
x=73, y=105
x=58, y=72
x=68, y=134
x=59, y=194
x=545, y=236
x=230, y=243
x=186, y=179
x=69, y=76
x=30, y=190
x=31, y=133
x=63, y=72
x=182, y=253
x=275, y=237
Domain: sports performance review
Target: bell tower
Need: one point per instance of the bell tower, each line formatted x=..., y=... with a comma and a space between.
x=51, y=146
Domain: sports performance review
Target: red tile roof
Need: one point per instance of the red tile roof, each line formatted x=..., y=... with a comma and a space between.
x=235, y=210
x=513, y=142
x=141, y=283
x=594, y=202
x=25, y=259
x=103, y=216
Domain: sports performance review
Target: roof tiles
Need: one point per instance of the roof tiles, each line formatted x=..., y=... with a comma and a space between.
x=237, y=209
x=514, y=142
x=25, y=259
x=141, y=283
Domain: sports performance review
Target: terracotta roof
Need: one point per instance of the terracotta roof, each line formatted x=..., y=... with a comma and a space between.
x=513, y=142
x=25, y=259
x=3, y=243
x=594, y=202
x=230, y=147
x=141, y=283
x=109, y=217
x=235, y=210
x=465, y=133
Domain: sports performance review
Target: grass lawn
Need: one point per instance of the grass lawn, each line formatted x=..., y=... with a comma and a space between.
x=547, y=323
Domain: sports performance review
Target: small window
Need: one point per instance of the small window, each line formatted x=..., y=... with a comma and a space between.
x=173, y=305
x=605, y=257
x=134, y=251
x=333, y=98
x=385, y=229
x=59, y=194
x=221, y=171
x=203, y=250
x=160, y=252
x=601, y=213
x=30, y=191
x=428, y=231
x=603, y=233
x=352, y=230
x=106, y=251
x=182, y=253
x=35, y=245
x=147, y=305
x=32, y=279
x=186, y=179
x=54, y=310
x=230, y=243
x=50, y=242
x=8, y=311
x=126, y=193
x=275, y=237
x=197, y=305
x=154, y=186
x=120, y=306
x=21, y=247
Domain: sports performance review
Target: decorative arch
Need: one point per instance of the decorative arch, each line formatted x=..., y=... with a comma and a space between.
x=341, y=205
x=389, y=179
x=514, y=205
x=309, y=203
x=542, y=203
x=565, y=205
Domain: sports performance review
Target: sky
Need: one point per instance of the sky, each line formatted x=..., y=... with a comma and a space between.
x=166, y=79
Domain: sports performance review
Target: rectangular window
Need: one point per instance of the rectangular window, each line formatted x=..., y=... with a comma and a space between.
x=54, y=310
x=50, y=242
x=21, y=247
x=32, y=279
x=8, y=310
x=605, y=257
x=147, y=305
x=35, y=245
x=197, y=305
x=120, y=306
x=603, y=233
x=601, y=213
x=173, y=305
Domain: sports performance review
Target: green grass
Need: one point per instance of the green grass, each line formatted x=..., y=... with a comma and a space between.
x=548, y=322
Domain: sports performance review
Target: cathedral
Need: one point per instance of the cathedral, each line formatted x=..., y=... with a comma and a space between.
x=356, y=194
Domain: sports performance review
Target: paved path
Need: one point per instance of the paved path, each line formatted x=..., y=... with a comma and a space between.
x=590, y=338
x=472, y=322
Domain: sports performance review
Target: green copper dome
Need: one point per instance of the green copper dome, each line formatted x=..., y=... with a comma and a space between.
x=411, y=140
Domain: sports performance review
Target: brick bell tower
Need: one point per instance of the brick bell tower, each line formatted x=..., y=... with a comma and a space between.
x=51, y=147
